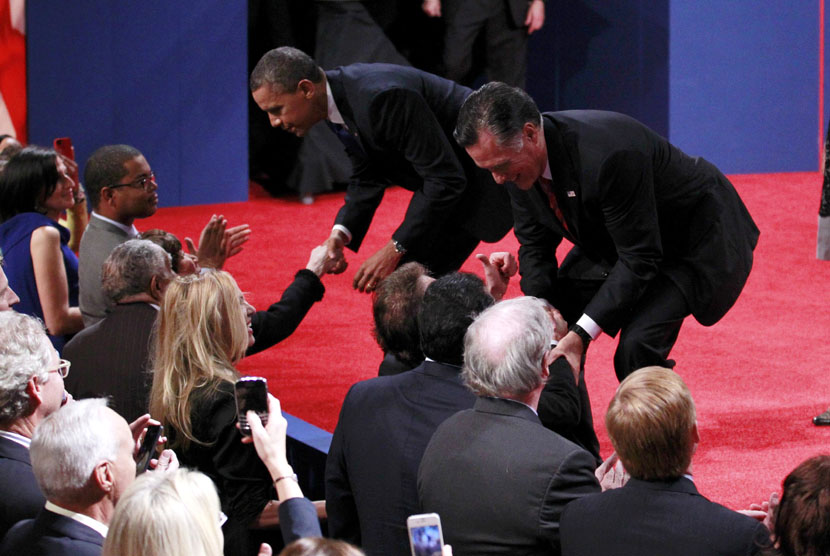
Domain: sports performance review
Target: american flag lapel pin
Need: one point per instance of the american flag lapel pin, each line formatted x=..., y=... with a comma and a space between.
x=571, y=193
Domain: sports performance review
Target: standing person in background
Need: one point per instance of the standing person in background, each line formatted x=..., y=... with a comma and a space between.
x=823, y=241
x=504, y=25
x=35, y=189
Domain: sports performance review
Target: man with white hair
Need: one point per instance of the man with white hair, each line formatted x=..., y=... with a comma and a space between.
x=109, y=358
x=82, y=457
x=496, y=476
x=31, y=388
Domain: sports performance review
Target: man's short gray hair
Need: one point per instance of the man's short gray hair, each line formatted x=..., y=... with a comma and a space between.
x=283, y=68
x=69, y=444
x=25, y=352
x=131, y=266
x=505, y=347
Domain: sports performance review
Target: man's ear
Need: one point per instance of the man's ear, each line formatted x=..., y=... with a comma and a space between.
x=157, y=286
x=104, y=477
x=695, y=434
x=306, y=88
x=34, y=389
x=530, y=132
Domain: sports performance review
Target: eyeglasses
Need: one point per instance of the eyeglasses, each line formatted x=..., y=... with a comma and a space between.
x=140, y=183
x=63, y=368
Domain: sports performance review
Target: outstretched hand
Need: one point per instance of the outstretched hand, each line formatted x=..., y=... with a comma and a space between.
x=376, y=268
x=498, y=268
x=217, y=242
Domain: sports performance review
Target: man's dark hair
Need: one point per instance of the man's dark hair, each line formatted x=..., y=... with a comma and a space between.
x=450, y=305
x=395, y=304
x=168, y=242
x=498, y=108
x=106, y=167
x=802, y=519
x=283, y=68
x=27, y=180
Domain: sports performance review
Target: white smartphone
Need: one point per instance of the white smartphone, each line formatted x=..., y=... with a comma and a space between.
x=425, y=537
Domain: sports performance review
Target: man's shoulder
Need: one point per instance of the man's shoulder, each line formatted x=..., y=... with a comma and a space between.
x=98, y=236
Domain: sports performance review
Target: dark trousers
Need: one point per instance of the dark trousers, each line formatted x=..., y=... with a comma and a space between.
x=649, y=331
x=447, y=251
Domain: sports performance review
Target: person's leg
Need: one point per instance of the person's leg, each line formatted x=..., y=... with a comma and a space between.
x=506, y=51
x=463, y=21
x=651, y=331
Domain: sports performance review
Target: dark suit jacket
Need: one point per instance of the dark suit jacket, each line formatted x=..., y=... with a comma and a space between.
x=110, y=358
x=404, y=119
x=384, y=426
x=51, y=534
x=499, y=480
x=640, y=205
x=20, y=496
x=646, y=518
x=283, y=317
x=298, y=519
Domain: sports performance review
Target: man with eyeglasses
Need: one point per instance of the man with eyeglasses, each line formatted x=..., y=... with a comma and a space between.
x=122, y=188
x=31, y=389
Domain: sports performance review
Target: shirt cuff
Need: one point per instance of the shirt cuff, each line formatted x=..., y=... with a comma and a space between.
x=345, y=230
x=589, y=326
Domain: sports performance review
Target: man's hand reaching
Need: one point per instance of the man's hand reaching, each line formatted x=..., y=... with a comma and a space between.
x=498, y=268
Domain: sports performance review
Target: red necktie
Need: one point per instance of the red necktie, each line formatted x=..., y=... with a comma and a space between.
x=546, y=187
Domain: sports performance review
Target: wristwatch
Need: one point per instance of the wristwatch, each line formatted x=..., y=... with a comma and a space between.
x=579, y=331
x=400, y=249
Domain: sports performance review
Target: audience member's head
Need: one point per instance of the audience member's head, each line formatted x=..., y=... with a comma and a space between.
x=283, y=68
x=395, y=304
x=449, y=306
x=317, y=546
x=203, y=329
x=183, y=263
x=9, y=143
x=82, y=457
x=167, y=514
x=7, y=295
x=31, y=379
x=120, y=184
x=801, y=525
x=506, y=347
x=28, y=180
x=652, y=424
x=136, y=270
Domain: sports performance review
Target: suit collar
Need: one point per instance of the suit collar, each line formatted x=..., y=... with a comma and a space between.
x=338, y=93
x=68, y=527
x=683, y=485
x=440, y=370
x=508, y=408
x=96, y=221
x=10, y=449
x=333, y=113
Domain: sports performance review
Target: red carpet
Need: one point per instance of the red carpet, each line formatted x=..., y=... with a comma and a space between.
x=758, y=376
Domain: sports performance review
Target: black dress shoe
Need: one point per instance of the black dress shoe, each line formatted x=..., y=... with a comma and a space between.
x=822, y=420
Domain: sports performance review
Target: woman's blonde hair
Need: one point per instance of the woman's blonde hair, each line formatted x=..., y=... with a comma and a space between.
x=166, y=514
x=200, y=335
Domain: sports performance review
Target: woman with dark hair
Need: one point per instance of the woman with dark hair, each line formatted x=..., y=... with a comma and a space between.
x=35, y=188
x=801, y=522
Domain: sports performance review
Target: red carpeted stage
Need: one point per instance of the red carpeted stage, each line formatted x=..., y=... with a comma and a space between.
x=758, y=376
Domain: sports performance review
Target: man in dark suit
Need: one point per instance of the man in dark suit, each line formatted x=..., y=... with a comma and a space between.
x=81, y=497
x=396, y=125
x=502, y=26
x=657, y=235
x=111, y=357
x=31, y=389
x=386, y=422
x=497, y=477
x=652, y=424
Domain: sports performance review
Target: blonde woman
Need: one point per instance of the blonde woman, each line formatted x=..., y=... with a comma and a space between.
x=203, y=330
x=166, y=514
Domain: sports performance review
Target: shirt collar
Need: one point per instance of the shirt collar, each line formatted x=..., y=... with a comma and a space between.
x=16, y=438
x=131, y=230
x=93, y=524
x=334, y=115
x=547, y=174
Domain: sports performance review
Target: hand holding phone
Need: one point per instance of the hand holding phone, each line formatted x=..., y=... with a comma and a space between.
x=425, y=535
x=251, y=393
x=147, y=451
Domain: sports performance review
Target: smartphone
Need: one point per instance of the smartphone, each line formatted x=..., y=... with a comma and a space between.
x=63, y=146
x=425, y=537
x=251, y=394
x=148, y=448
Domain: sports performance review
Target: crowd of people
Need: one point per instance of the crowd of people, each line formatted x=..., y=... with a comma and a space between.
x=480, y=412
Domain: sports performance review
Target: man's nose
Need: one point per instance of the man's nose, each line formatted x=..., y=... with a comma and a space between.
x=276, y=121
x=499, y=178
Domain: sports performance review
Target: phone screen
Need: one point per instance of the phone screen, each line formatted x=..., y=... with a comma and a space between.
x=251, y=395
x=148, y=448
x=426, y=540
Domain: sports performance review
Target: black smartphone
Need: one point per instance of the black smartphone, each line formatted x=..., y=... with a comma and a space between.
x=425, y=536
x=251, y=394
x=147, y=451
